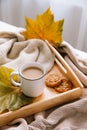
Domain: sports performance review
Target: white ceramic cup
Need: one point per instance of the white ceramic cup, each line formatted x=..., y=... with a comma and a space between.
x=30, y=87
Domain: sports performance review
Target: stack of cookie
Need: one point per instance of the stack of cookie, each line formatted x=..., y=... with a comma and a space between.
x=58, y=82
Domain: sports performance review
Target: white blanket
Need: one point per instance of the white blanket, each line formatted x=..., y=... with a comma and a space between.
x=14, y=51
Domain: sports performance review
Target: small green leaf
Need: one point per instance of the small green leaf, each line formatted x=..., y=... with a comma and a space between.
x=12, y=98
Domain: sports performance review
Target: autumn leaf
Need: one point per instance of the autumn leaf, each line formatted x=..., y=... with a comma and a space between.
x=11, y=97
x=5, y=75
x=45, y=28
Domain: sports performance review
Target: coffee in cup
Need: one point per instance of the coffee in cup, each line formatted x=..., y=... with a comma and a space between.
x=32, y=72
x=31, y=77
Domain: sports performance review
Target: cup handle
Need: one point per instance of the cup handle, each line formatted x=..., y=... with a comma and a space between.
x=13, y=81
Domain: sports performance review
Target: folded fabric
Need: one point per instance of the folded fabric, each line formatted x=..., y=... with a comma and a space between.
x=8, y=31
x=15, y=52
x=76, y=59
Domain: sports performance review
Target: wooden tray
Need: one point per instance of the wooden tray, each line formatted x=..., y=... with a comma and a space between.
x=50, y=97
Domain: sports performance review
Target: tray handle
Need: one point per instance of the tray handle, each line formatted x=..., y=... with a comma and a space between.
x=60, y=65
x=65, y=67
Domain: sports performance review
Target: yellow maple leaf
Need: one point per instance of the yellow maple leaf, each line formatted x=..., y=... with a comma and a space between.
x=5, y=75
x=45, y=28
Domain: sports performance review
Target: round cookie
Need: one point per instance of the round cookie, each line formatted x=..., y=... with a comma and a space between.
x=52, y=80
x=64, y=86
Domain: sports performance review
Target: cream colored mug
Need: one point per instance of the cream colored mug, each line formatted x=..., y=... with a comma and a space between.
x=31, y=77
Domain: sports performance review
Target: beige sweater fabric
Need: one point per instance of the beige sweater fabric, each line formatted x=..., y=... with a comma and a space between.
x=76, y=59
x=72, y=116
x=14, y=51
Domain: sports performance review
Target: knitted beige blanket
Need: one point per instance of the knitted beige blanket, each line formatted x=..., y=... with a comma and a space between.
x=14, y=51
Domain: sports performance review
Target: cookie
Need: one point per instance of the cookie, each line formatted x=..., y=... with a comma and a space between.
x=53, y=80
x=64, y=86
